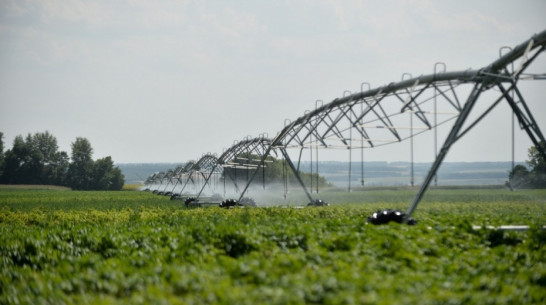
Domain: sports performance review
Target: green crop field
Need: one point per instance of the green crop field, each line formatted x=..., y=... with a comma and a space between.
x=69, y=247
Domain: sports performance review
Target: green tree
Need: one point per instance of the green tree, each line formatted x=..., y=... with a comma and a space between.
x=16, y=161
x=59, y=170
x=80, y=170
x=275, y=171
x=32, y=169
x=117, y=179
x=106, y=176
x=36, y=160
x=44, y=155
x=46, y=145
x=537, y=175
x=519, y=176
x=1, y=154
x=86, y=174
x=535, y=158
x=31, y=160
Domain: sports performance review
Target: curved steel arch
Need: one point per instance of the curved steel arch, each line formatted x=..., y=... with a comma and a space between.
x=409, y=94
x=375, y=117
x=369, y=111
x=195, y=170
x=205, y=164
x=372, y=112
x=156, y=179
x=231, y=157
x=178, y=174
x=256, y=145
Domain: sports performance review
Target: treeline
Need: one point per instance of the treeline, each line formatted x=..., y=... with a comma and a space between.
x=275, y=171
x=533, y=176
x=36, y=159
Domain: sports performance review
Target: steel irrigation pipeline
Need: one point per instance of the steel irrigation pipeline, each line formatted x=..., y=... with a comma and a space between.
x=376, y=117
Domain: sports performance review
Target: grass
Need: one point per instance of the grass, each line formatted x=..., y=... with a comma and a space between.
x=33, y=187
x=132, y=187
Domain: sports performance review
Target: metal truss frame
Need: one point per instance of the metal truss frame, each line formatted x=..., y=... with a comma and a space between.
x=380, y=116
x=233, y=157
x=339, y=118
x=194, y=171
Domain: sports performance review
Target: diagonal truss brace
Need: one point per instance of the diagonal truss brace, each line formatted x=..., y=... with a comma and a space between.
x=524, y=115
x=450, y=140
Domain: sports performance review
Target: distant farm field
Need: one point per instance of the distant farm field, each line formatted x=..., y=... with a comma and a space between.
x=32, y=187
x=68, y=247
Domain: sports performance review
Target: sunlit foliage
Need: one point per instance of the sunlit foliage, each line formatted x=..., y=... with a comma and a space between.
x=134, y=247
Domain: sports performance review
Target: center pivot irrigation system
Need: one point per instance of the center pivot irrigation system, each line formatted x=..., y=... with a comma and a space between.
x=371, y=118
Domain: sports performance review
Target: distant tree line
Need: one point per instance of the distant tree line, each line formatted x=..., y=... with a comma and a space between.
x=36, y=159
x=275, y=171
x=531, y=176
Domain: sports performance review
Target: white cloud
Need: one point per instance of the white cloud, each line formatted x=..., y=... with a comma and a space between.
x=13, y=8
x=339, y=12
x=160, y=61
x=470, y=20
x=73, y=11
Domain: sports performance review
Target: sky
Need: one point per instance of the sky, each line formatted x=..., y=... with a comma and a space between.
x=168, y=81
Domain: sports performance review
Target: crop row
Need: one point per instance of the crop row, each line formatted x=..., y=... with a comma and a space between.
x=150, y=253
x=81, y=200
